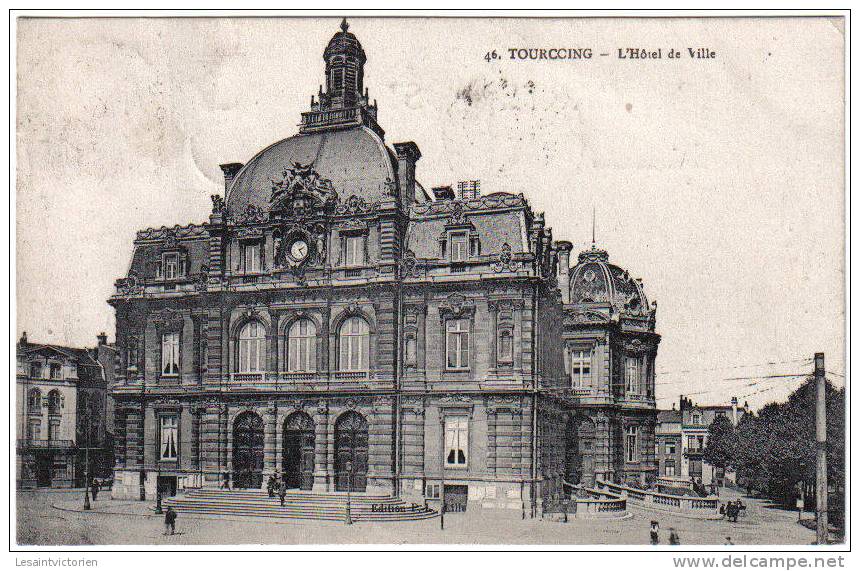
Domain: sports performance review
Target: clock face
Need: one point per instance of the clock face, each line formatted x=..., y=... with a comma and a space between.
x=299, y=250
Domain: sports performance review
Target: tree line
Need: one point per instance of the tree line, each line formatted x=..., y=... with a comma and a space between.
x=773, y=451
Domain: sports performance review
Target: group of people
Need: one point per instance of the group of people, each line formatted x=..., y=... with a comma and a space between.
x=674, y=539
x=732, y=510
x=277, y=484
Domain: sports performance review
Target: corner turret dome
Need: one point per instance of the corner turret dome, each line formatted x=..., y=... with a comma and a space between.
x=595, y=281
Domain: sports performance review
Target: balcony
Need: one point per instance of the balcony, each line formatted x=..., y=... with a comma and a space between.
x=306, y=380
x=45, y=444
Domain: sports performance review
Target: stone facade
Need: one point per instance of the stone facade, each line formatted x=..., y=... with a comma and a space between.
x=333, y=323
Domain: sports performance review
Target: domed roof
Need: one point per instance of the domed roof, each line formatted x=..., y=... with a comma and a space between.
x=595, y=280
x=355, y=160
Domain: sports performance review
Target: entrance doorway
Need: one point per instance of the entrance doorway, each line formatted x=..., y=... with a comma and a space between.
x=299, y=451
x=456, y=498
x=44, y=469
x=350, y=445
x=248, y=451
x=167, y=486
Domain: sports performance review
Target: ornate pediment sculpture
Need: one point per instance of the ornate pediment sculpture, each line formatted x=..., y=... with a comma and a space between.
x=301, y=181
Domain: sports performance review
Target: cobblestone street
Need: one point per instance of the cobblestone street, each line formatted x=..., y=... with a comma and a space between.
x=55, y=518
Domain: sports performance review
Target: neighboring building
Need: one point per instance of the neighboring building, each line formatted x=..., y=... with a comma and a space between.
x=669, y=448
x=687, y=429
x=60, y=406
x=330, y=315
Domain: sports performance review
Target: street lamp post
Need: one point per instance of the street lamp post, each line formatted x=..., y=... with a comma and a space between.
x=348, y=519
x=87, y=505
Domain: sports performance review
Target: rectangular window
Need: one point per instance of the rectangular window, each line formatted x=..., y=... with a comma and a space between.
x=35, y=370
x=696, y=468
x=170, y=263
x=56, y=370
x=459, y=245
x=670, y=468
x=631, y=448
x=34, y=429
x=670, y=448
x=169, y=437
x=353, y=251
x=580, y=368
x=170, y=353
x=251, y=257
x=54, y=429
x=633, y=374
x=457, y=343
x=456, y=441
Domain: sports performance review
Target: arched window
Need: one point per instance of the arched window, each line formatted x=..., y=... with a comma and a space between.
x=252, y=345
x=54, y=402
x=34, y=401
x=301, y=346
x=354, y=345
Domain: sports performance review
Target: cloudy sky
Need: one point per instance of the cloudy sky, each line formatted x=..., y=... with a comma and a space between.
x=719, y=182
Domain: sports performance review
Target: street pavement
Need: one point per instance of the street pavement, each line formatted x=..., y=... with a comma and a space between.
x=56, y=518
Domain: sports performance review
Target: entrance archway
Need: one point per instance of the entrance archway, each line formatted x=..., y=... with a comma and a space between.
x=248, y=451
x=350, y=445
x=298, y=463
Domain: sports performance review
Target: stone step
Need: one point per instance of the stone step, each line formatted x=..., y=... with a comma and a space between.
x=297, y=505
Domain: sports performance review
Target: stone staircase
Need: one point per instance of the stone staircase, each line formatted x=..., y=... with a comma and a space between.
x=329, y=506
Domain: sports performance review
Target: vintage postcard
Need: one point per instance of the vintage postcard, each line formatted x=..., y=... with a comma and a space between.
x=480, y=281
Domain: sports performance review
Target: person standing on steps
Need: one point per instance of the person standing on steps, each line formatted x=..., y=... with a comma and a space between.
x=270, y=485
x=655, y=532
x=282, y=492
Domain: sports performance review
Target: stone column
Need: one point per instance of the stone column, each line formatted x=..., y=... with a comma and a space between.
x=322, y=440
x=270, y=421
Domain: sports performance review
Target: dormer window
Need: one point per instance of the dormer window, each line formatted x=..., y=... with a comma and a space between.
x=459, y=247
x=170, y=266
x=36, y=370
x=56, y=371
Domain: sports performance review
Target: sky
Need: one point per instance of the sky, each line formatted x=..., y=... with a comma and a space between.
x=719, y=182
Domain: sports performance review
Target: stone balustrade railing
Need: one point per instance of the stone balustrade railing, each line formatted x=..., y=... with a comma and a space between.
x=697, y=506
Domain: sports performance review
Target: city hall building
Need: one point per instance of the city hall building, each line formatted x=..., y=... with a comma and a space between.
x=334, y=322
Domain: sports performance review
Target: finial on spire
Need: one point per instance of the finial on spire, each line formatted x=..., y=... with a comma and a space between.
x=593, y=224
x=344, y=25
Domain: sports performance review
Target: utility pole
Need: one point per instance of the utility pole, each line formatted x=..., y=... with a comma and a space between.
x=820, y=450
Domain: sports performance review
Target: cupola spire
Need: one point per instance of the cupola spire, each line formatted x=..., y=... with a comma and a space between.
x=344, y=88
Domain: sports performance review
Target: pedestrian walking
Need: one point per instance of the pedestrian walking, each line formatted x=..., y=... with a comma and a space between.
x=270, y=485
x=673, y=537
x=95, y=488
x=655, y=532
x=282, y=492
x=170, y=521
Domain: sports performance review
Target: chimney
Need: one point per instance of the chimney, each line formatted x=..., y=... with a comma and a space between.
x=102, y=337
x=564, y=248
x=469, y=189
x=443, y=193
x=230, y=170
x=23, y=340
x=407, y=155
